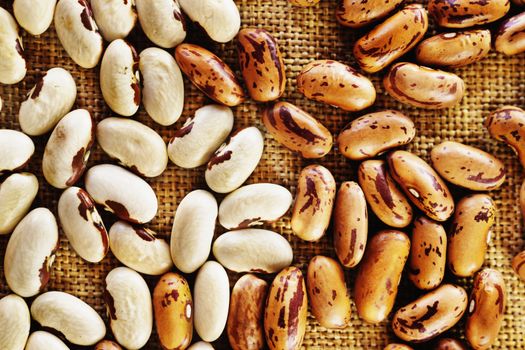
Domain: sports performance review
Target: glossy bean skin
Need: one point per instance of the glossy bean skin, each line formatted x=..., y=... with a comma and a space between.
x=449, y=344
x=107, y=345
x=14, y=67
x=519, y=2
x=467, y=166
x=379, y=274
x=470, y=232
x=421, y=184
x=374, y=133
x=392, y=38
x=518, y=265
x=506, y=125
x=453, y=50
x=209, y=74
x=313, y=203
x=287, y=296
x=510, y=38
x=297, y=130
x=383, y=195
x=397, y=347
x=261, y=64
x=486, y=309
x=428, y=254
x=336, y=84
x=467, y=13
x=350, y=224
x=431, y=314
x=423, y=87
x=357, y=14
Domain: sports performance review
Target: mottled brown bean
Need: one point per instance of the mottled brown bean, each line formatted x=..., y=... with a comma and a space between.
x=358, y=13
x=397, y=347
x=507, y=124
x=510, y=38
x=518, y=265
x=449, y=344
x=467, y=13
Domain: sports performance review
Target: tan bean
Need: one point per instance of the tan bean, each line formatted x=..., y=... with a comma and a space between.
x=391, y=39
x=423, y=87
x=357, y=14
x=470, y=232
x=507, y=124
x=421, y=184
x=467, y=166
x=297, y=130
x=486, y=309
x=379, y=275
x=374, y=133
x=397, y=347
x=428, y=254
x=431, y=314
x=327, y=292
x=286, y=310
x=336, y=84
x=510, y=38
x=313, y=203
x=258, y=53
x=245, y=325
x=449, y=344
x=454, y=50
x=107, y=345
x=350, y=224
x=518, y=264
x=467, y=13
x=209, y=74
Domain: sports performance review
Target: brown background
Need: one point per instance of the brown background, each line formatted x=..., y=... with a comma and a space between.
x=304, y=34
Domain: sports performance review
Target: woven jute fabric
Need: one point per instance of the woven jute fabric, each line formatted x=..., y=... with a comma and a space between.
x=304, y=34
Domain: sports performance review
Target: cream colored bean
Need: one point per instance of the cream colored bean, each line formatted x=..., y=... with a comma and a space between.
x=202, y=345
x=162, y=21
x=34, y=17
x=115, y=18
x=17, y=193
x=15, y=321
x=13, y=65
x=16, y=149
x=41, y=340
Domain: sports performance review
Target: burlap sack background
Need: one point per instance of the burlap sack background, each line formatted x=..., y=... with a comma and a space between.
x=303, y=35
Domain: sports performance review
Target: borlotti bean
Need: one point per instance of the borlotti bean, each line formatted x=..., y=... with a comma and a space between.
x=428, y=254
x=383, y=195
x=253, y=250
x=297, y=130
x=518, y=265
x=16, y=149
x=41, y=340
x=470, y=232
x=313, y=203
x=107, y=345
x=258, y=53
x=77, y=31
x=235, y=161
x=396, y=346
x=76, y=320
x=34, y=17
x=139, y=248
x=453, y=50
x=507, y=125
x=211, y=294
x=357, y=14
x=379, y=274
x=194, y=144
x=327, y=292
x=449, y=344
x=15, y=320
x=193, y=229
x=162, y=21
x=431, y=314
x=202, y=345
x=82, y=224
x=119, y=78
x=17, y=193
x=115, y=18
x=129, y=306
x=374, y=133
x=304, y=3
x=163, y=87
x=519, y=2
x=134, y=145
x=467, y=13
x=209, y=74
x=13, y=64
x=423, y=87
x=391, y=39
x=173, y=307
x=245, y=326
x=486, y=309
x=510, y=38
x=68, y=148
x=47, y=102
x=336, y=84
x=467, y=166
x=220, y=19
x=30, y=253
x=253, y=205
x=286, y=310
x=350, y=224
x=421, y=184
x=121, y=192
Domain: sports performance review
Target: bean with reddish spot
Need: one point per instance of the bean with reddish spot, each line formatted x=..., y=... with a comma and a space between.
x=507, y=124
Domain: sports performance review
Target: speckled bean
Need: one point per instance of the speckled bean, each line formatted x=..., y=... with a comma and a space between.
x=357, y=14
x=510, y=38
x=507, y=124
x=467, y=13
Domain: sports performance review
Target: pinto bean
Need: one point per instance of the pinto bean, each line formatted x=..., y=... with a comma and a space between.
x=510, y=38
x=507, y=124
x=398, y=347
x=467, y=13
x=357, y=14
x=518, y=264
x=449, y=344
